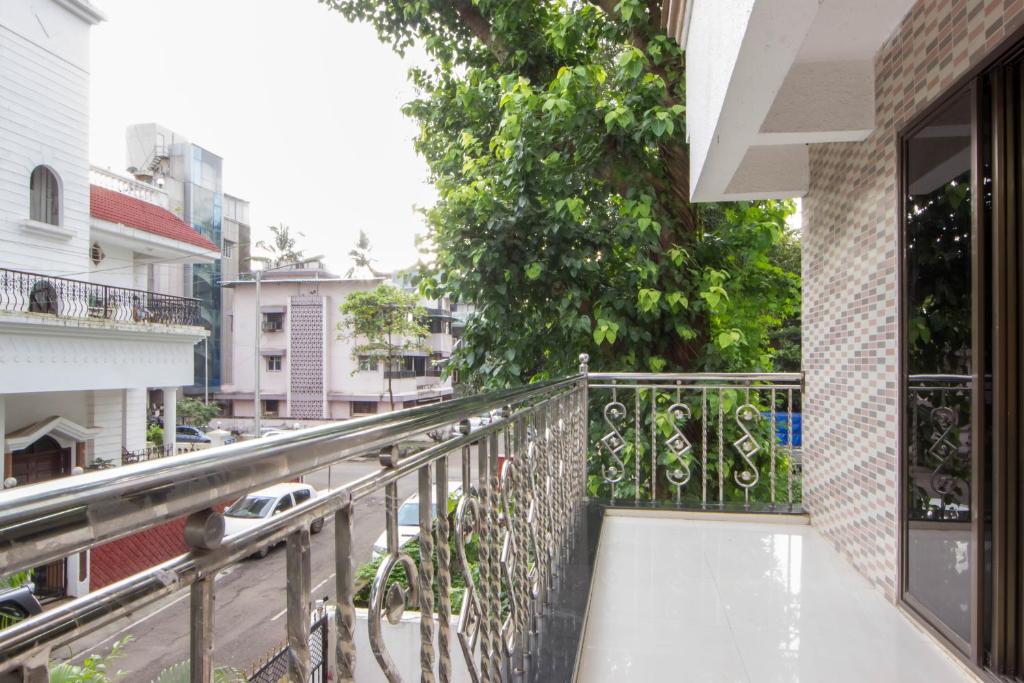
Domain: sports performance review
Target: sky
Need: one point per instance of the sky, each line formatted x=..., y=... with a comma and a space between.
x=303, y=107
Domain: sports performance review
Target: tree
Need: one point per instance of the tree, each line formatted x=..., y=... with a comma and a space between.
x=194, y=412
x=361, y=258
x=281, y=250
x=554, y=132
x=385, y=323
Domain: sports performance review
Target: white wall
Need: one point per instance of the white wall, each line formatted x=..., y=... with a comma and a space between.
x=44, y=119
x=135, y=418
x=104, y=409
x=26, y=409
x=713, y=45
x=41, y=354
x=117, y=269
x=168, y=278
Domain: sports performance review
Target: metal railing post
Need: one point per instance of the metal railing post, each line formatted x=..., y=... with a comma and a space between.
x=344, y=582
x=201, y=630
x=426, y=596
x=299, y=582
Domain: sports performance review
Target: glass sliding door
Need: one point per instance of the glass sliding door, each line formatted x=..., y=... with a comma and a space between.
x=938, y=542
x=962, y=378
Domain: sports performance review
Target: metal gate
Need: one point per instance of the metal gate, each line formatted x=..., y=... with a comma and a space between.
x=276, y=666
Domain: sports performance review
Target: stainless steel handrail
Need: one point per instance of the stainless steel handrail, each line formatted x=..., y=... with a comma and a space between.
x=696, y=376
x=28, y=644
x=99, y=608
x=47, y=521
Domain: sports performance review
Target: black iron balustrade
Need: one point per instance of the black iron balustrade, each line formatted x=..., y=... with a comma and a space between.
x=23, y=292
x=130, y=457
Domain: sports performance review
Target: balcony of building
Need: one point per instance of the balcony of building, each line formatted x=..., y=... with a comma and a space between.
x=609, y=527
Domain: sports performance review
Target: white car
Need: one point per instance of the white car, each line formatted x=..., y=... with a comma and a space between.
x=475, y=423
x=259, y=506
x=409, y=521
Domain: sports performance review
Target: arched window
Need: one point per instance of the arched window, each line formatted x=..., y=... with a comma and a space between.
x=44, y=193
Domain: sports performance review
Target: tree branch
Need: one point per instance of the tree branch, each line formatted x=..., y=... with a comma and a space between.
x=481, y=28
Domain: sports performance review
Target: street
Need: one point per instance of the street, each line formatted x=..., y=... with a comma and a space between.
x=250, y=596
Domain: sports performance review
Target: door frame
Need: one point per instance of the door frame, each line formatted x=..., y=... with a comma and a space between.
x=1005, y=518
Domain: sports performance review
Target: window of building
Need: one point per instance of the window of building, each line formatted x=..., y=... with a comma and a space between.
x=44, y=196
x=96, y=254
x=228, y=249
x=439, y=325
x=273, y=322
x=368, y=363
x=271, y=407
x=273, y=363
x=364, y=407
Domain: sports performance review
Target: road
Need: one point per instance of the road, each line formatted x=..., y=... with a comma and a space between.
x=250, y=596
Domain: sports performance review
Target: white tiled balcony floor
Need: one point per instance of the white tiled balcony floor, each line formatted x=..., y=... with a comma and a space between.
x=687, y=600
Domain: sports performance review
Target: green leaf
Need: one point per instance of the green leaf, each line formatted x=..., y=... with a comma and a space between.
x=533, y=270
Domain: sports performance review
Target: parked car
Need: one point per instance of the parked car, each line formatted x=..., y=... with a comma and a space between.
x=409, y=520
x=17, y=604
x=259, y=506
x=190, y=434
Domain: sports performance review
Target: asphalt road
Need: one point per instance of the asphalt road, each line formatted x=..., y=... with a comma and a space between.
x=250, y=597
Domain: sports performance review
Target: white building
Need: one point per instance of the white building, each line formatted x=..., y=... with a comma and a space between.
x=90, y=318
x=307, y=367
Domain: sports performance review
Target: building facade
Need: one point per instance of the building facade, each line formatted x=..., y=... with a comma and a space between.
x=90, y=318
x=307, y=367
x=896, y=122
x=236, y=250
x=193, y=178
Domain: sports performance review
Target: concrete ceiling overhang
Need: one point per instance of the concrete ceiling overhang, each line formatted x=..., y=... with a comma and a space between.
x=765, y=78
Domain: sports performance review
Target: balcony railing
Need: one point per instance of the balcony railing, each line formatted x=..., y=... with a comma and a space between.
x=711, y=441
x=129, y=186
x=130, y=457
x=399, y=374
x=525, y=477
x=22, y=292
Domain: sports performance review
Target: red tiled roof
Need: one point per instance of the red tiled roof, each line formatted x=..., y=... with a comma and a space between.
x=115, y=207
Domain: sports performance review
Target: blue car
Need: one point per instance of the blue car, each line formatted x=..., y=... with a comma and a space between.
x=190, y=434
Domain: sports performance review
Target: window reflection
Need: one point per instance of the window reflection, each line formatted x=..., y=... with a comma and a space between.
x=938, y=363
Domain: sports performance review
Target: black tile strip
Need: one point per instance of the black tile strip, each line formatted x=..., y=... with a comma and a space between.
x=560, y=630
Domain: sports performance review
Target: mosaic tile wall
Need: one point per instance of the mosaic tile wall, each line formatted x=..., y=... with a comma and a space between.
x=850, y=283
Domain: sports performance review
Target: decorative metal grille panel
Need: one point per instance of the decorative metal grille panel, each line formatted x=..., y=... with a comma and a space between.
x=306, y=360
x=275, y=667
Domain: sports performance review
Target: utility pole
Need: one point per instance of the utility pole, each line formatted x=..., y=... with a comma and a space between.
x=257, y=404
x=206, y=370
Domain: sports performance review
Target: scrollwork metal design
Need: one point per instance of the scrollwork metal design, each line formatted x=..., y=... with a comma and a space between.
x=679, y=476
x=467, y=524
x=944, y=422
x=614, y=443
x=747, y=446
x=389, y=601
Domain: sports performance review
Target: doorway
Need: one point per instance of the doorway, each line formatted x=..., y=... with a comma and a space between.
x=41, y=461
x=962, y=180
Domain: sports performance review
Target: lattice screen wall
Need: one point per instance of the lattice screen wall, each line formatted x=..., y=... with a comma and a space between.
x=307, y=337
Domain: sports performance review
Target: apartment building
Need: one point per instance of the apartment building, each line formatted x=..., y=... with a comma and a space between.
x=307, y=367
